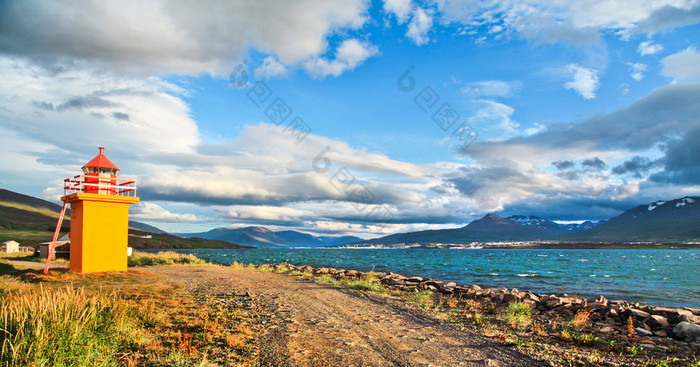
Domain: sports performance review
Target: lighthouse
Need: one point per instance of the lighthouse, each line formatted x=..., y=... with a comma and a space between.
x=99, y=225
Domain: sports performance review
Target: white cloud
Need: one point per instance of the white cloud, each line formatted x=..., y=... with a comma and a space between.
x=649, y=48
x=144, y=210
x=682, y=66
x=348, y=56
x=270, y=68
x=267, y=213
x=637, y=70
x=493, y=120
x=492, y=88
x=173, y=35
x=420, y=25
x=585, y=81
x=78, y=110
x=577, y=21
x=400, y=8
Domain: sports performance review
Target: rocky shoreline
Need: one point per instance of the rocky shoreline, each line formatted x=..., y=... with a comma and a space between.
x=659, y=331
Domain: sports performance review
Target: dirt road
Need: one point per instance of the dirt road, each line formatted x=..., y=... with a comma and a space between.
x=308, y=324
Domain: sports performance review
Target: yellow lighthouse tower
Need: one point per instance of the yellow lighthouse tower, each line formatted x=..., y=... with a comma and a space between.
x=99, y=224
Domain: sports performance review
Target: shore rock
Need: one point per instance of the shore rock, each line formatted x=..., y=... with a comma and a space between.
x=687, y=331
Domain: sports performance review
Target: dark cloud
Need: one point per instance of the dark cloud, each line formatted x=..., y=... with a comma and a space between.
x=669, y=17
x=574, y=208
x=570, y=175
x=682, y=160
x=42, y=105
x=563, y=164
x=662, y=115
x=593, y=163
x=667, y=119
x=478, y=179
x=636, y=167
x=84, y=102
x=170, y=35
x=121, y=116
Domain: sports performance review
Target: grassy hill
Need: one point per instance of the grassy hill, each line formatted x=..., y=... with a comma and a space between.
x=30, y=221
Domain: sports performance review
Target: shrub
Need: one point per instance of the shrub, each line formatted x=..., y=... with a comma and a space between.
x=162, y=258
x=422, y=299
x=518, y=315
x=478, y=320
x=581, y=319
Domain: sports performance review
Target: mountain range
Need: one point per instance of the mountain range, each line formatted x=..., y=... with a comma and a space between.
x=263, y=237
x=675, y=220
x=663, y=221
x=33, y=220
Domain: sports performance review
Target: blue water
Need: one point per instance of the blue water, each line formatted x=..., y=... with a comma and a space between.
x=656, y=277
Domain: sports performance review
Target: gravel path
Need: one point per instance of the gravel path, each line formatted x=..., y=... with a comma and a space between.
x=308, y=324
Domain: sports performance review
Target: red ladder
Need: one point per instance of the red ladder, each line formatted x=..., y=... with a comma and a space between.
x=52, y=245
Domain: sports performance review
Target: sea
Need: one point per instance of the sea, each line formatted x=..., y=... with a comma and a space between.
x=668, y=278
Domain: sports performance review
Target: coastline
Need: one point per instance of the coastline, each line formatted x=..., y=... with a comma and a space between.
x=655, y=277
x=588, y=326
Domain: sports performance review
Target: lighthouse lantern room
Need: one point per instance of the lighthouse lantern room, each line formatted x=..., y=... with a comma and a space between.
x=99, y=202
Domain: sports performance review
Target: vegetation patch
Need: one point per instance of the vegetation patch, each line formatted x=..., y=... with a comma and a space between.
x=139, y=258
x=518, y=315
x=118, y=319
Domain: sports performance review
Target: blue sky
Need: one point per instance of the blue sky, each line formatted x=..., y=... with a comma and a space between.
x=568, y=111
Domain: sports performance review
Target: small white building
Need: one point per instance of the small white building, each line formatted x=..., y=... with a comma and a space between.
x=9, y=247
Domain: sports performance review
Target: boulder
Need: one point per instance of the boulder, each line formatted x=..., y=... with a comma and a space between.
x=510, y=297
x=600, y=300
x=661, y=333
x=658, y=322
x=643, y=332
x=414, y=280
x=638, y=314
x=687, y=331
x=596, y=305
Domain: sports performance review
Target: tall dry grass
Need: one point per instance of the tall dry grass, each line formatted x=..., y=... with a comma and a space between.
x=139, y=258
x=64, y=327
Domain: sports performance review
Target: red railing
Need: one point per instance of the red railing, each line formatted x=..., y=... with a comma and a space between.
x=101, y=185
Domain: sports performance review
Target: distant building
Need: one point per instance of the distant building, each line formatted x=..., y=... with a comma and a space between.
x=9, y=247
x=61, y=250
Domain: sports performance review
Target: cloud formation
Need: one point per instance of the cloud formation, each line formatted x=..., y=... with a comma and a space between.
x=682, y=66
x=420, y=25
x=348, y=56
x=177, y=36
x=585, y=81
x=649, y=48
x=579, y=22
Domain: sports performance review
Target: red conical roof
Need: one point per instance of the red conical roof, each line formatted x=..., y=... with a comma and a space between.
x=101, y=162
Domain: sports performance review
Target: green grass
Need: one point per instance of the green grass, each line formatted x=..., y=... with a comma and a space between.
x=26, y=236
x=63, y=327
x=162, y=258
x=303, y=274
x=423, y=299
x=518, y=315
x=369, y=283
x=325, y=279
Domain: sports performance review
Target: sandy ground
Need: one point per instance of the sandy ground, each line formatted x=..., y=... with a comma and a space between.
x=35, y=265
x=308, y=324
